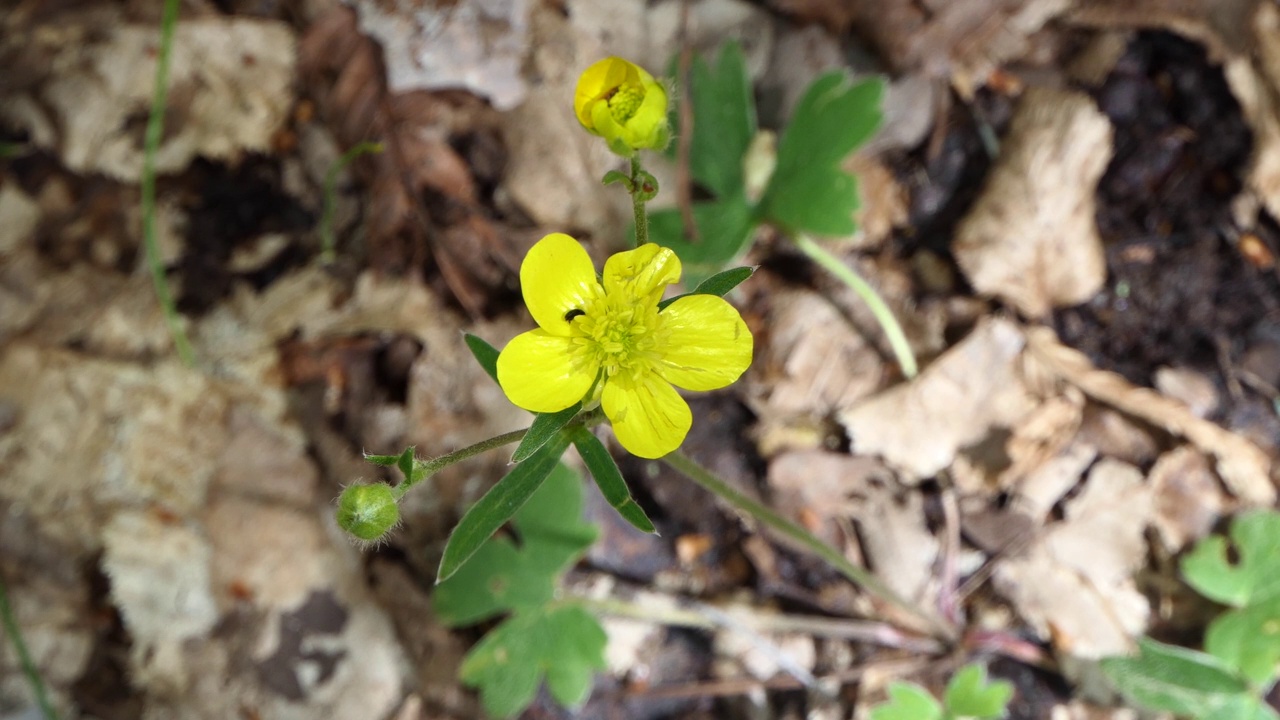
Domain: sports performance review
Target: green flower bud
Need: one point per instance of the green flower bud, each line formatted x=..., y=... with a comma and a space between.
x=368, y=511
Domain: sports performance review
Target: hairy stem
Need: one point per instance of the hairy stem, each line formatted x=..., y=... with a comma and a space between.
x=151, y=145
x=423, y=469
x=637, y=203
x=24, y=656
x=884, y=316
x=797, y=534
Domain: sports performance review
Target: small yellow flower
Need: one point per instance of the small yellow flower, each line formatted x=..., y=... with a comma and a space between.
x=623, y=104
x=611, y=330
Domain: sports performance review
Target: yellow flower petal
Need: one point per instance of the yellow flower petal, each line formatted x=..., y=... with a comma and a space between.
x=539, y=373
x=648, y=416
x=599, y=81
x=556, y=278
x=642, y=274
x=706, y=344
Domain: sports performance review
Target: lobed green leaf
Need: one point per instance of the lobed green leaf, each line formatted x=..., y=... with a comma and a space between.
x=969, y=694
x=810, y=191
x=565, y=645
x=907, y=702
x=1256, y=577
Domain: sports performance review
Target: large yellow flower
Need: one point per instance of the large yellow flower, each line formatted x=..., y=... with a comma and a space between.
x=612, y=330
x=623, y=104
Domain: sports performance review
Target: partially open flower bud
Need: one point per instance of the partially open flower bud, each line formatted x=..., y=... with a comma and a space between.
x=368, y=511
x=623, y=104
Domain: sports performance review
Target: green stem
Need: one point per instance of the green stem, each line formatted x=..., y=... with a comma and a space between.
x=151, y=145
x=637, y=203
x=884, y=316
x=327, y=240
x=794, y=532
x=24, y=656
x=423, y=469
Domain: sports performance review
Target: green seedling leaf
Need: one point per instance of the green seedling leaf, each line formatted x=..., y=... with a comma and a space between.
x=498, y=506
x=720, y=284
x=485, y=354
x=501, y=576
x=609, y=479
x=565, y=645
x=725, y=226
x=1175, y=679
x=969, y=694
x=544, y=427
x=1256, y=577
x=1250, y=707
x=907, y=702
x=1248, y=640
x=724, y=120
x=810, y=191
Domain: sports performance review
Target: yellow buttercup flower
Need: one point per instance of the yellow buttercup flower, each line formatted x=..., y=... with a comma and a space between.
x=608, y=337
x=623, y=104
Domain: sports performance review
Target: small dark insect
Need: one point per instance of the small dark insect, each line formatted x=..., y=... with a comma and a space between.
x=569, y=316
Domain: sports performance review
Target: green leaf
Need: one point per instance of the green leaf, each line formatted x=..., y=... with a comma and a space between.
x=970, y=695
x=810, y=191
x=498, y=506
x=1245, y=707
x=566, y=645
x=390, y=460
x=1174, y=679
x=544, y=427
x=720, y=284
x=502, y=576
x=907, y=702
x=1256, y=577
x=485, y=354
x=724, y=228
x=1248, y=640
x=724, y=120
x=609, y=479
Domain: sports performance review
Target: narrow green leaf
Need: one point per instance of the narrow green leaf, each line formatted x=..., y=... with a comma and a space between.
x=503, y=576
x=544, y=427
x=969, y=694
x=405, y=463
x=498, y=506
x=485, y=354
x=719, y=284
x=609, y=479
x=383, y=460
x=1174, y=679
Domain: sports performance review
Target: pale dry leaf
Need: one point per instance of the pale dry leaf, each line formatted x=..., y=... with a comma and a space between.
x=160, y=581
x=1255, y=81
x=919, y=426
x=1243, y=467
x=812, y=362
x=898, y=544
x=1073, y=583
x=1190, y=387
x=231, y=86
x=477, y=45
x=1031, y=239
x=1077, y=710
x=1188, y=498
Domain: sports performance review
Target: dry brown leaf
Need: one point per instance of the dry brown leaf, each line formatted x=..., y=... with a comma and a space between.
x=1243, y=467
x=479, y=45
x=1073, y=583
x=1188, y=498
x=231, y=82
x=918, y=427
x=1030, y=239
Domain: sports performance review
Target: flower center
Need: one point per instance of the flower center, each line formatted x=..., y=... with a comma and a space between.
x=617, y=338
x=624, y=102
